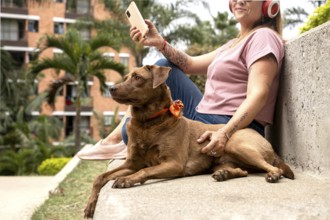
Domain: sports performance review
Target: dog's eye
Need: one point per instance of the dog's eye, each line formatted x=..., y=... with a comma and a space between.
x=136, y=77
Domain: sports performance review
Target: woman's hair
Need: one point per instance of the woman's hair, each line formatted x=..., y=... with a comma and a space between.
x=273, y=23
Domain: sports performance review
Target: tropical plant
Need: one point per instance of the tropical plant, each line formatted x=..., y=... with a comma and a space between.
x=80, y=60
x=318, y=17
x=294, y=16
x=297, y=15
x=14, y=99
x=16, y=163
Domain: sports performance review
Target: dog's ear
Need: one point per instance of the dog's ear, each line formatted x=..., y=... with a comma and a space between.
x=160, y=74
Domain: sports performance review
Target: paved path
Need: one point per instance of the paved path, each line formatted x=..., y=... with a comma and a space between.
x=20, y=196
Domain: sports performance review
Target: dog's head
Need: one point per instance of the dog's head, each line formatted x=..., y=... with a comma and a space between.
x=141, y=85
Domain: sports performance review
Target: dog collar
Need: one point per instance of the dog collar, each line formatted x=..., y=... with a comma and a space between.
x=175, y=109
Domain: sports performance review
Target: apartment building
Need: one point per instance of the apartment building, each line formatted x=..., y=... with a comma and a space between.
x=23, y=22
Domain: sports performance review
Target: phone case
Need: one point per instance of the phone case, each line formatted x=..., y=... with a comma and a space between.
x=135, y=18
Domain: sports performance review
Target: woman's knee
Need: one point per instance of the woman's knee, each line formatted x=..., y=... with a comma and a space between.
x=163, y=62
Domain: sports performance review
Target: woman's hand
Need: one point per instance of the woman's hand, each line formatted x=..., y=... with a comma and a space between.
x=152, y=38
x=218, y=140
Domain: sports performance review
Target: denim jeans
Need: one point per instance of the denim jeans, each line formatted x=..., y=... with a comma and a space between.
x=184, y=89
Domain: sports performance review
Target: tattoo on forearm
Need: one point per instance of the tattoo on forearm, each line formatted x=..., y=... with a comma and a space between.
x=232, y=131
x=177, y=57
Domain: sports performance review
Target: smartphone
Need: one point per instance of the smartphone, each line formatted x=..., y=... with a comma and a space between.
x=135, y=18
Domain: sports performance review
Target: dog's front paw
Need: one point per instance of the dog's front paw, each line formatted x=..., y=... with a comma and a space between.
x=122, y=182
x=90, y=209
x=273, y=177
x=220, y=175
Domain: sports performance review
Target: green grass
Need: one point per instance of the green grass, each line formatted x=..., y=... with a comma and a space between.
x=70, y=199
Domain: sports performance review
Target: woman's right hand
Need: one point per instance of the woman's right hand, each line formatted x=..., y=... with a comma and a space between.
x=152, y=38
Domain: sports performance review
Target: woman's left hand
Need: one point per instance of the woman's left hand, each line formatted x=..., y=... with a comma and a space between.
x=218, y=140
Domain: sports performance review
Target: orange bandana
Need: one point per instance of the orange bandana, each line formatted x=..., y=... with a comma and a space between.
x=175, y=109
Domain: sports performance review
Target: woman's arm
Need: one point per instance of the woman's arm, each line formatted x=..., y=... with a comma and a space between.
x=189, y=64
x=261, y=76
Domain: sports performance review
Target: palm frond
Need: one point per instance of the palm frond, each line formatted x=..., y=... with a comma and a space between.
x=7, y=64
x=104, y=40
x=55, y=87
x=102, y=80
x=104, y=63
x=36, y=103
x=57, y=63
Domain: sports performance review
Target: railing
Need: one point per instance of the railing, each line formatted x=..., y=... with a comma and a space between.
x=75, y=12
x=13, y=3
x=86, y=104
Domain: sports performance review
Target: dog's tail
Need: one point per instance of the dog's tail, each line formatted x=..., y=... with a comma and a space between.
x=287, y=172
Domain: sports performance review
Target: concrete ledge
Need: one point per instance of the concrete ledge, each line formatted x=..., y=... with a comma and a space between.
x=301, y=133
x=200, y=197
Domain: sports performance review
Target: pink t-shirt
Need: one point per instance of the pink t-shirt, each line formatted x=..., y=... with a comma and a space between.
x=227, y=75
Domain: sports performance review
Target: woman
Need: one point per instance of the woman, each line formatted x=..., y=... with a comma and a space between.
x=242, y=79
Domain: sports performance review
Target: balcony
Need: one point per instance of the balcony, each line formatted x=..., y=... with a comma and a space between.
x=86, y=104
x=14, y=6
x=77, y=9
x=14, y=38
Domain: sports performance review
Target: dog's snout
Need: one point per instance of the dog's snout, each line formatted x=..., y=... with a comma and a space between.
x=113, y=88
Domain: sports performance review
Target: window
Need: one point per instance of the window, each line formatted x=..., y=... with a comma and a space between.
x=82, y=6
x=107, y=93
x=58, y=28
x=85, y=125
x=107, y=119
x=31, y=57
x=124, y=59
x=35, y=87
x=85, y=34
x=33, y=26
x=110, y=56
x=9, y=29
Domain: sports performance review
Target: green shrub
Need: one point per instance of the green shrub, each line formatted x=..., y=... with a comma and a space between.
x=318, y=17
x=52, y=166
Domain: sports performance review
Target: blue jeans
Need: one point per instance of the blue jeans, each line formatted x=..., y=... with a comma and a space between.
x=184, y=89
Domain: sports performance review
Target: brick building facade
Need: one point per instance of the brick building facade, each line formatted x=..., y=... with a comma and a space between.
x=24, y=22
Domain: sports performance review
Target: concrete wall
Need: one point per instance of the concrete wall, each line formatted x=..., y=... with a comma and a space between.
x=301, y=133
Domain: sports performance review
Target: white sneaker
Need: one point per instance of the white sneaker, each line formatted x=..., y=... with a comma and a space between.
x=104, y=152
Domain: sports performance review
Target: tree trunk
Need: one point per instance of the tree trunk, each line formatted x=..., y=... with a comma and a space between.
x=77, y=137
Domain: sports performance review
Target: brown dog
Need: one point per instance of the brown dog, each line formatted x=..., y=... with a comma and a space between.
x=162, y=145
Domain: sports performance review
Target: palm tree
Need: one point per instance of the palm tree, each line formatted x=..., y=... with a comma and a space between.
x=80, y=60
